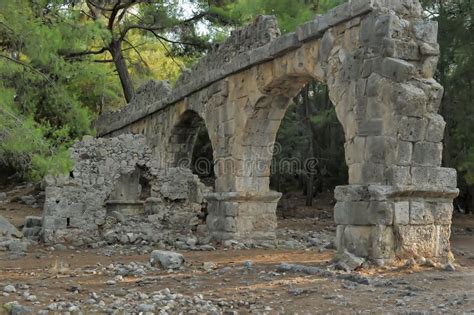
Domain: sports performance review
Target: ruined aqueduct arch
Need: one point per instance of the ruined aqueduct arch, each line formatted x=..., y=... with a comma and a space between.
x=377, y=58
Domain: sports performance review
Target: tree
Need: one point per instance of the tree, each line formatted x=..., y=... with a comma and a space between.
x=162, y=19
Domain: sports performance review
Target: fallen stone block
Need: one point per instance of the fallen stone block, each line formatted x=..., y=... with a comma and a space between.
x=351, y=260
x=167, y=259
x=7, y=229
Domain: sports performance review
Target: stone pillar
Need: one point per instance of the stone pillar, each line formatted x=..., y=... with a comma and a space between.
x=398, y=203
x=242, y=216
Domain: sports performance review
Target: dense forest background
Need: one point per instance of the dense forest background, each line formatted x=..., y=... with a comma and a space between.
x=63, y=62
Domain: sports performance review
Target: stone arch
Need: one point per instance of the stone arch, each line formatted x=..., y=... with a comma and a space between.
x=182, y=138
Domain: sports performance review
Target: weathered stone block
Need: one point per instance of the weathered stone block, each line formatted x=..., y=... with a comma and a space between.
x=339, y=14
x=442, y=245
x=416, y=241
x=383, y=242
x=378, y=147
x=436, y=127
x=374, y=84
x=359, y=7
x=229, y=225
x=429, y=66
x=357, y=240
x=409, y=100
x=429, y=49
x=420, y=213
x=397, y=69
x=401, y=49
x=366, y=29
x=427, y=154
x=442, y=211
x=340, y=238
x=260, y=54
x=375, y=108
x=283, y=44
x=354, y=150
x=326, y=45
x=404, y=153
x=399, y=176
x=351, y=193
x=412, y=129
x=437, y=177
x=309, y=30
x=366, y=173
x=426, y=31
x=363, y=213
x=401, y=213
x=379, y=192
x=372, y=127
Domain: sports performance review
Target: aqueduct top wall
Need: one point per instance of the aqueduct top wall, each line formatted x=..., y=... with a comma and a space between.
x=378, y=58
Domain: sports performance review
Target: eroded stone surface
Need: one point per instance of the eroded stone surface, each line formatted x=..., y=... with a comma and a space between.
x=116, y=194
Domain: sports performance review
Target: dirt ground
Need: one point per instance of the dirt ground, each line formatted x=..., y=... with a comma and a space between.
x=73, y=274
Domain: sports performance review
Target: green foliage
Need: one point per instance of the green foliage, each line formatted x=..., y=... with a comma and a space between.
x=46, y=102
x=290, y=13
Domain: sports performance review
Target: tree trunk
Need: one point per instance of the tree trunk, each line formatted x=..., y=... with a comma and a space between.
x=307, y=118
x=122, y=70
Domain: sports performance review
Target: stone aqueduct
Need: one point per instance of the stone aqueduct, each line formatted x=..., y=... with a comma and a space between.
x=377, y=58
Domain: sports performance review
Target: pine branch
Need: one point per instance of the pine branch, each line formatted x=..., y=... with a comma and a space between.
x=86, y=53
x=138, y=52
x=155, y=28
x=27, y=66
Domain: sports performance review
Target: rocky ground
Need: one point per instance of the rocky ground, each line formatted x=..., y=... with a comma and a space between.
x=295, y=277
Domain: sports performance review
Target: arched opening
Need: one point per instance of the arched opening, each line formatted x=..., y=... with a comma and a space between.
x=129, y=193
x=308, y=157
x=190, y=147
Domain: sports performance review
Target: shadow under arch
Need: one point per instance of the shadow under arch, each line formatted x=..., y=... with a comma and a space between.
x=189, y=146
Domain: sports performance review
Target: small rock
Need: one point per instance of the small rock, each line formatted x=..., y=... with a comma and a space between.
x=167, y=259
x=351, y=260
x=28, y=200
x=20, y=309
x=9, y=289
x=449, y=267
x=410, y=263
x=191, y=241
x=146, y=308
x=60, y=247
x=209, y=265
x=400, y=302
x=248, y=264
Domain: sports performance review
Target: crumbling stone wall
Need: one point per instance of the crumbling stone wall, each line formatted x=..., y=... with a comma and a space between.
x=104, y=189
x=378, y=58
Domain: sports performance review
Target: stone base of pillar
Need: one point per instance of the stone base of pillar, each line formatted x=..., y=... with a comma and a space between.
x=384, y=223
x=242, y=216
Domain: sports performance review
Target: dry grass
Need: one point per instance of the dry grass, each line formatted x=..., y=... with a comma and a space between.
x=59, y=268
